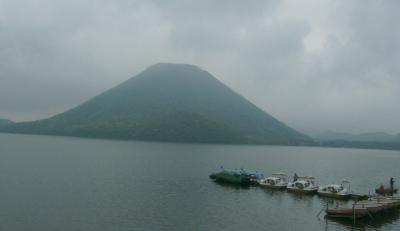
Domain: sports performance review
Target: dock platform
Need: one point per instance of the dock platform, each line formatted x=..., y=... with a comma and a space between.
x=364, y=208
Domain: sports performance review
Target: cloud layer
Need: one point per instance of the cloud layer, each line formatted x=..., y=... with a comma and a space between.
x=316, y=65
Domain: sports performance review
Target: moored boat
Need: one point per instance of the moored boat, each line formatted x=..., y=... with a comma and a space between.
x=254, y=176
x=235, y=176
x=275, y=181
x=303, y=184
x=385, y=190
x=335, y=191
x=382, y=190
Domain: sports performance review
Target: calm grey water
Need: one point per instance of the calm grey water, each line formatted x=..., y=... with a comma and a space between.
x=59, y=183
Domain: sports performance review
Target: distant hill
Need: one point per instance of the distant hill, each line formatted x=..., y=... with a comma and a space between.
x=168, y=102
x=363, y=137
x=5, y=122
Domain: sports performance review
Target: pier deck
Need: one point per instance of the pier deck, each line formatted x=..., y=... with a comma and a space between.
x=365, y=208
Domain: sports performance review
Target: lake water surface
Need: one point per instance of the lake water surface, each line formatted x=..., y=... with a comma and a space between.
x=61, y=183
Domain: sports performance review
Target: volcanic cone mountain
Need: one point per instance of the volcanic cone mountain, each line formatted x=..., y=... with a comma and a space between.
x=167, y=102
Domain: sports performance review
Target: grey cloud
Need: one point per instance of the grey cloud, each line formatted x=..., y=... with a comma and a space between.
x=56, y=54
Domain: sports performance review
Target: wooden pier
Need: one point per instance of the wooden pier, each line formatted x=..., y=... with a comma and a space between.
x=365, y=208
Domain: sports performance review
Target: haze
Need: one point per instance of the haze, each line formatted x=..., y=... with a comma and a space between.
x=316, y=65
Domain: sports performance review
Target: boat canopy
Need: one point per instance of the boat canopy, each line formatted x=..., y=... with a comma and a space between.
x=306, y=178
x=279, y=174
x=302, y=184
x=254, y=173
x=247, y=173
x=273, y=178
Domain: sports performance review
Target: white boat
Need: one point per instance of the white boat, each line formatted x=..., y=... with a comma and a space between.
x=335, y=191
x=275, y=181
x=303, y=184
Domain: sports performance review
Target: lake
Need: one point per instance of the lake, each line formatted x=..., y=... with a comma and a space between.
x=62, y=183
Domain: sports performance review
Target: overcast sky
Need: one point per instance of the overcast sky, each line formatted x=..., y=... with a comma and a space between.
x=316, y=65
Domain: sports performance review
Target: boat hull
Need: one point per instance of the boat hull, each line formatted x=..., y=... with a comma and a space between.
x=230, y=178
x=334, y=195
x=303, y=191
x=276, y=187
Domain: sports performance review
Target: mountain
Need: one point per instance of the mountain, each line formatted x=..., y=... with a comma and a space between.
x=363, y=137
x=168, y=102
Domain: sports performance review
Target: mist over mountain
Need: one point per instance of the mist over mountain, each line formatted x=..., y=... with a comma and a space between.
x=168, y=102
